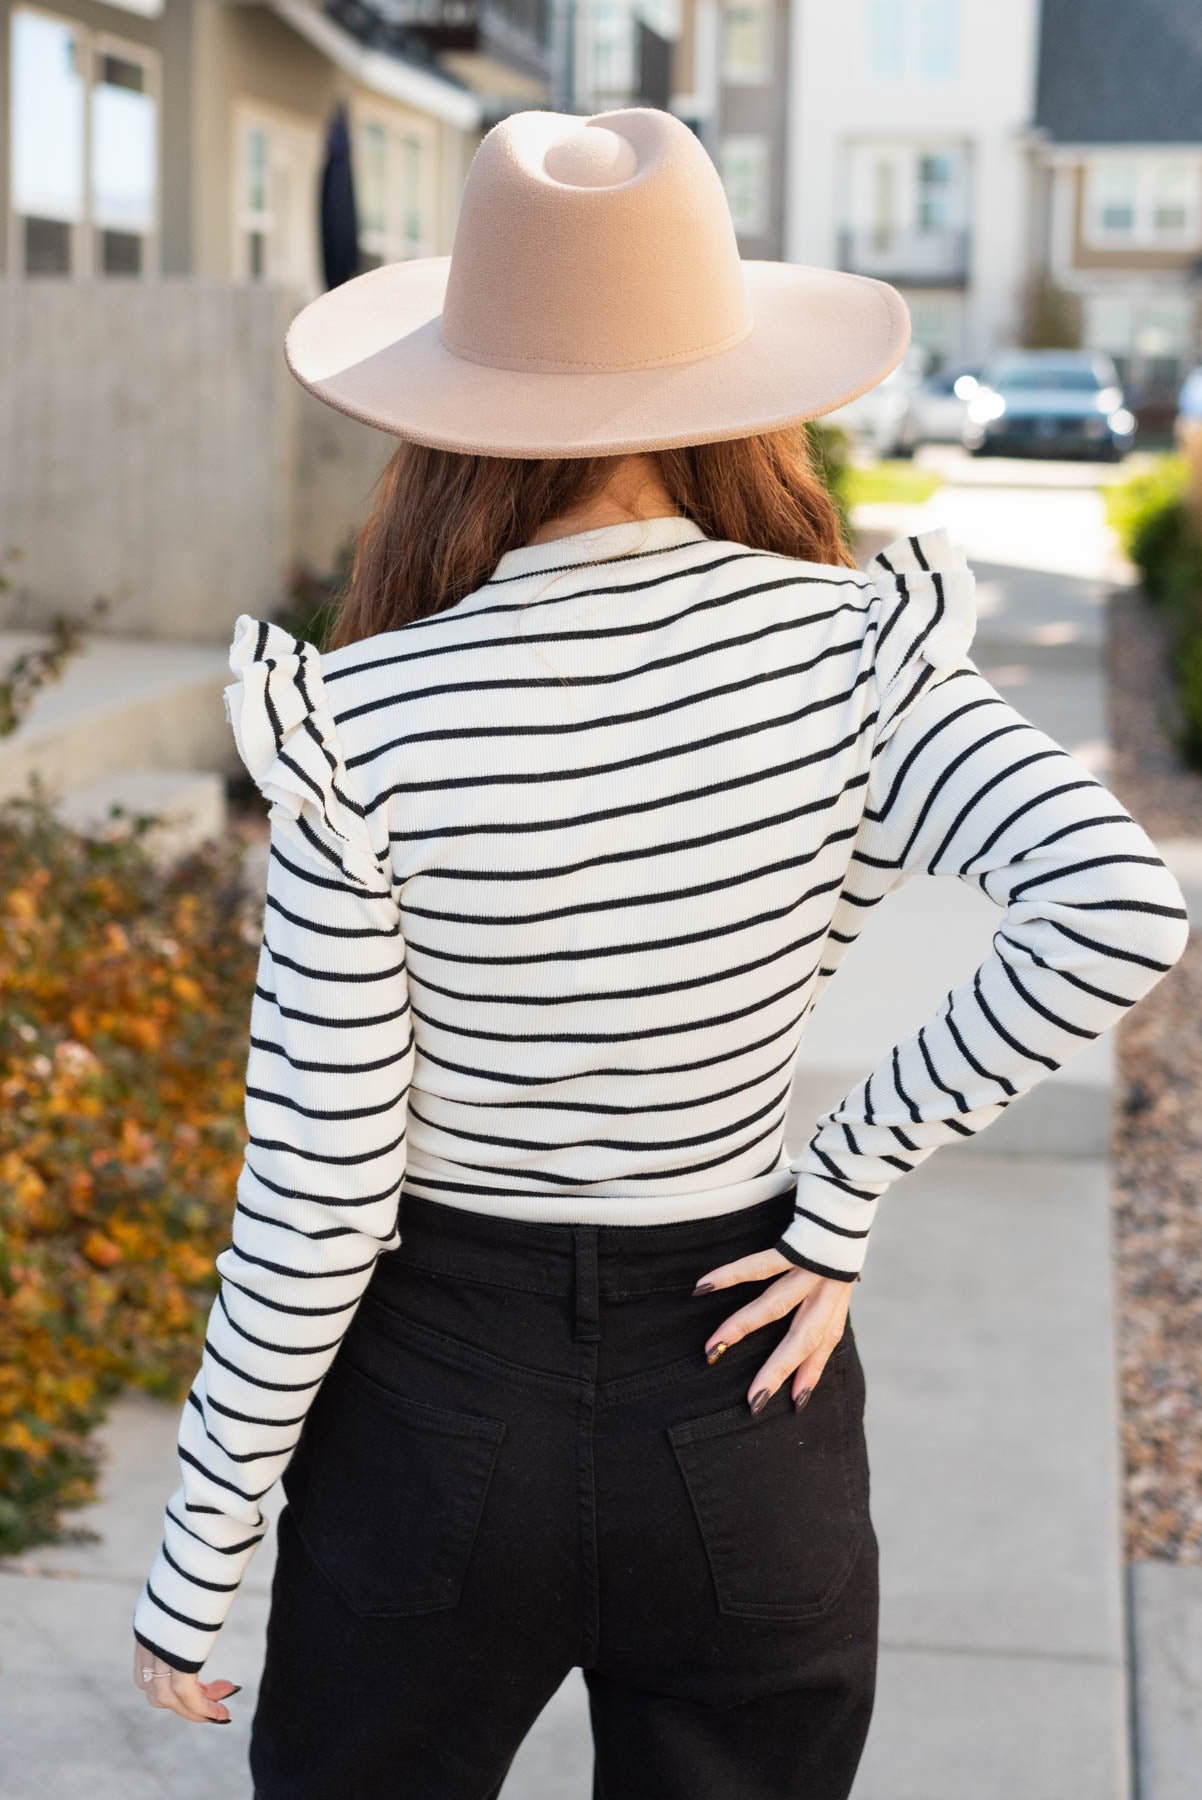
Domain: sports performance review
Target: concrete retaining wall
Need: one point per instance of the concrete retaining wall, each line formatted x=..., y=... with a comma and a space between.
x=155, y=450
x=338, y=461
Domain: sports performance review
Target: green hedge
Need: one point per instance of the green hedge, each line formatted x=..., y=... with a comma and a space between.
x=1163, y=540
x=829, y=449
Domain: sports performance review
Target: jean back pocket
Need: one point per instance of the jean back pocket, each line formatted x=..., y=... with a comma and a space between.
x=387, y=1493
x=781, y=1499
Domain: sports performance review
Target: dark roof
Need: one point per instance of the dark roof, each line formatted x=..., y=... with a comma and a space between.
x=1121, y=71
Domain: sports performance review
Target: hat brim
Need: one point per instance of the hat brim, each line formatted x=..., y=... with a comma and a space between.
x=371, y=348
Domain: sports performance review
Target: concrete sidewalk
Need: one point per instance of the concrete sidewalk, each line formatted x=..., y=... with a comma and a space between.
x=992, y=1420
x=991, y=1423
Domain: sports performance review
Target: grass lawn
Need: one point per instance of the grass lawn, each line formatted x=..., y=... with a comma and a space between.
x=891, y=483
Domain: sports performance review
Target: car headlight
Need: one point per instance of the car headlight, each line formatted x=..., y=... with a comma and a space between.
x=1122, y=421
x=1108, y=400
x=985, y=405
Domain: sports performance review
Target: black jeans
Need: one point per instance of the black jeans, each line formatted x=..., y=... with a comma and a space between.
x=520, y=1462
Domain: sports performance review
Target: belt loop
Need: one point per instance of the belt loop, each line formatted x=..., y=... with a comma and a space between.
x=587, y=1323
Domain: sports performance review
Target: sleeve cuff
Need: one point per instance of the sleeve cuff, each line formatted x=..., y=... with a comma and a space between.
x=804, y=1262
x=163, y=1626
x=170, y=1657
x=178, y=1613
x=828, y=1233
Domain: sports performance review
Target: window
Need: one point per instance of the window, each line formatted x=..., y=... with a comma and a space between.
x=1162, y=341
x=48, y=109
x=903, y=210
x=84, y=150
x=885, y=39
x=1148, y=202
x=610, y=34
x=884, y=204
x=936, y=192
x=1149, y=337
x=393, y=192
x=747, y=33
x=277, y=164
x=372, y=191
x=1116, y=198
x=1173, y=198
x=912, y=40
x=412, y=217
x=899, y=186
x=938, y=25
x=663, y=16
x=743, y=163
x=123, y=164
x=256, y=218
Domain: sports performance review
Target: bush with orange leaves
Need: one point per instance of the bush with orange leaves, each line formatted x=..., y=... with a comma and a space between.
x=124, y=1009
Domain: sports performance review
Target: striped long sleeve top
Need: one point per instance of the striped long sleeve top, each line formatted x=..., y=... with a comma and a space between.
x=556, y=877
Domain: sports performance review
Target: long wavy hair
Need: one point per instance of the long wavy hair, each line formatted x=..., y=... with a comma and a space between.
x=441, y=521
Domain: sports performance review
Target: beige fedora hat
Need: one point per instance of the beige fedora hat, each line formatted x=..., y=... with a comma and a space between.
x=594, y=302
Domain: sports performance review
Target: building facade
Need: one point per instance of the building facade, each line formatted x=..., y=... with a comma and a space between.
x=731, y=84
x=187, y=137
x=1023, y=173
x=612, y=53
x=907, y=157
x=161, y=169
x=1117, y=199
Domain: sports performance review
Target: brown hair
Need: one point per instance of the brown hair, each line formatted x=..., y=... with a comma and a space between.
x=442, y=520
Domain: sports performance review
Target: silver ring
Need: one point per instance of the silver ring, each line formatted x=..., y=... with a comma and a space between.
x=152, y=1675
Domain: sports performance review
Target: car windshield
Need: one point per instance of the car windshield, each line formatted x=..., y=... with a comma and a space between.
x=1075, y=378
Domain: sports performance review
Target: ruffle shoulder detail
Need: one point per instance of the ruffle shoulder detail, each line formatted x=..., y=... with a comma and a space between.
x=286, y=736
x=927, y=618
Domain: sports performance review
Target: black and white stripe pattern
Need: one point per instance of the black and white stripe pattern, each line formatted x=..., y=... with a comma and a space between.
x=331, y=1059
x=961, y=784
x=556, y=878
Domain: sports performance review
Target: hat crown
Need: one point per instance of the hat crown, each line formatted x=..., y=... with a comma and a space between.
x=601, y=244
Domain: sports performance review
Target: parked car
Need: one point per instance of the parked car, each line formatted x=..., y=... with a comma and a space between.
x=938, y=406
x=1049, y=403
x=874, y=422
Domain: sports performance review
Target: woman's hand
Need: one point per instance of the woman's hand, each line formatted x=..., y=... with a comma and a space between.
x=819, y=1307
x=175, y=1691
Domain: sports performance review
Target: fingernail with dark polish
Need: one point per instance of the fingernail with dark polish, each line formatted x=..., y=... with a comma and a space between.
x=236, y=1690
x=759, y=1401
x=711, y=1356
x=801, y=1399
x=704, y=1287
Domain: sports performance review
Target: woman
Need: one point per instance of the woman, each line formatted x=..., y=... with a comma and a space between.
x=612, y=754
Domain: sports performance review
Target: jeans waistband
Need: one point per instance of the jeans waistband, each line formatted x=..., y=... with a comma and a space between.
x=541, y=1257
